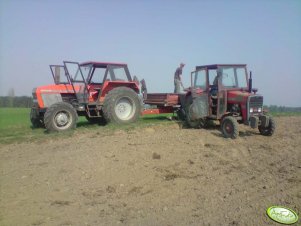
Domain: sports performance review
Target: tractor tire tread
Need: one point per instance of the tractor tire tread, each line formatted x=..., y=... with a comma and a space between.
x=234, y=134
x=269, y=131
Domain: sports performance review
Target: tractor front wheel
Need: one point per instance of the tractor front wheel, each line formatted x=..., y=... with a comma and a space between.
x=229, y=127
x=121, y=106
x=60, y=116
x=269, y=130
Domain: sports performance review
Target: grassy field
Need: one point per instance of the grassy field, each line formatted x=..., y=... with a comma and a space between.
x=15, y=126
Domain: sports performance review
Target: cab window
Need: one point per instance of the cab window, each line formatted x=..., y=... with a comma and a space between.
x=98, y=75
x=200, y=80
x=118, y=73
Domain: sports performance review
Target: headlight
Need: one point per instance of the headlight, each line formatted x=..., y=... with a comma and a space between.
x=251, y=110
x=259, y=109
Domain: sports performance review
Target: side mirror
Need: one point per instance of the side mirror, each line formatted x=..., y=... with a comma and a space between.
x=254, y=90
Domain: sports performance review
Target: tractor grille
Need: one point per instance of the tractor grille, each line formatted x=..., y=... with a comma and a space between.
x=256, y=101
x=255, y=105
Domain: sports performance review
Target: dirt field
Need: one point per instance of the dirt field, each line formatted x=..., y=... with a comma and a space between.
x=159, y=175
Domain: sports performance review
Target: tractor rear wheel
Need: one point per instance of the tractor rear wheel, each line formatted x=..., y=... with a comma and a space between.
x=191, y=123
x=229, y=127
x=270, y=129
x=121, y=106
x=199, y=123
x=60, y=116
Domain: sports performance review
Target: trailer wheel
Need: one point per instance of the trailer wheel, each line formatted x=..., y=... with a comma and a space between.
x=229, y=127
x=270, y=129
x=121, y=106
x=36, y=121
x=60, y=117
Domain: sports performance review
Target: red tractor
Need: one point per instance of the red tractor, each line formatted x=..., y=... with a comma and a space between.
x=220, y=92
x=223, y=92
x=99, y=91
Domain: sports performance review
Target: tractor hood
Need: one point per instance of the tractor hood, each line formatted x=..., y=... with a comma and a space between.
x=60, y=88
x=46, y=95
x=238, y=96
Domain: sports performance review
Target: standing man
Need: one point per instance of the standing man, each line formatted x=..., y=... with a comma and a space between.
x=178, y=79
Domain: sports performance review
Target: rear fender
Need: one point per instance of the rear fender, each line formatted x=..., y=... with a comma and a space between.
x=195, y=105
x=109, y=85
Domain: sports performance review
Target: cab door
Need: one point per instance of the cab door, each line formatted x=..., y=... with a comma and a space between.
x=199, y=107
x=221, y=99
x=77, y=80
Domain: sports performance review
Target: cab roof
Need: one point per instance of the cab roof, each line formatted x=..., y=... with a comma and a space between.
x=215, y=66
x=102, y=64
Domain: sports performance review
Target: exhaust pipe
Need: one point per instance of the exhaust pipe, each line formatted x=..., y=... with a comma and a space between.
x=250, y=82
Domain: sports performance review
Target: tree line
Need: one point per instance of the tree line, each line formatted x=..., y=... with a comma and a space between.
x=282, y=109
x=15, y=101
x=26, y=102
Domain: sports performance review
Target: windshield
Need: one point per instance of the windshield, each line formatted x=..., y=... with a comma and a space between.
x=86, y=70
x=58, y=74
x=76, y=72
x=109, y=73
x=118, y=73
x=230, y=77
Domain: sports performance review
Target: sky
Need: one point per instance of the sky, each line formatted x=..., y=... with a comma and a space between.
x=153, y=38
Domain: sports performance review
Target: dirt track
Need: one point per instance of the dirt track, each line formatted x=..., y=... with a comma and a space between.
x=160, y=175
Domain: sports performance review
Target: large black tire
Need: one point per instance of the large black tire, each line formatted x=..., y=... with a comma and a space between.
x=270, y=129
x=190, y=123
x=60, y=117
x=229, y=127
x=121, y=106
x=36, y=120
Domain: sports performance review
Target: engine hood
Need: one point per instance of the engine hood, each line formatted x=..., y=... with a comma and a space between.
x=61, y=88
x=47, y=95
x=238, y=96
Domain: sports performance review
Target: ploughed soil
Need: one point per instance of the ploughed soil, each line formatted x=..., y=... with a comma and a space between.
x=159, y=175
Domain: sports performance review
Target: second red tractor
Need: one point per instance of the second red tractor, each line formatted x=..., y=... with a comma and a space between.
x=97, y=90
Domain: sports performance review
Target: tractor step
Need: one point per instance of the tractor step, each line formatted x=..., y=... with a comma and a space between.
x=93, y=110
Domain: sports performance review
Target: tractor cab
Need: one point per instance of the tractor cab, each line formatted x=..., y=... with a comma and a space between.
x=102, y=92
x=213, y=83
x=90, y=81
x=223, y=92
